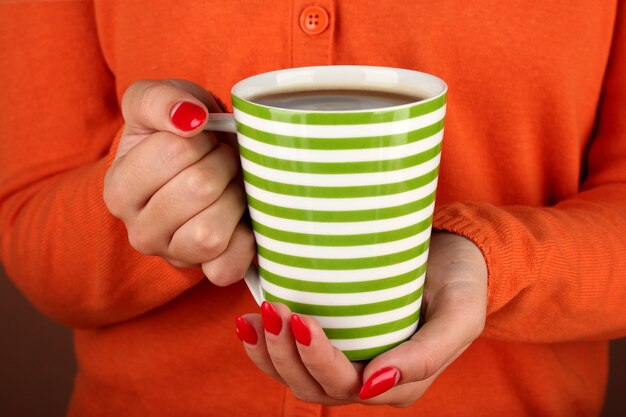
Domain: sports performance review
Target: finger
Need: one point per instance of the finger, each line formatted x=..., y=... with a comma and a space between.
x=209, y=100
x=455, y=318
x=175, y=106
x=153, y=162
x=207, y=235
x=190, y=192
x=230, y=266
x=339, y=377
x=249, y=328
x=284, y=354
x=406, y=394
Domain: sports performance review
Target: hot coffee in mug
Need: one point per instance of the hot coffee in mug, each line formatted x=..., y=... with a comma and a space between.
x=334, y=100
x=340, y=166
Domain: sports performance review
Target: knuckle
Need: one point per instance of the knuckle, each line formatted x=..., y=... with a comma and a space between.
x=215, y=276
x=427, y=365
x=175, y=149
x=211, y=274
x=210, y=241
x=115, y=197
x=230, y=277
x=320, y=365
x=282, y=360
x=199, y=187
x=111, y=197
x=142, y=242
x=135, y=96
x=218, y=275
x=195, y=184
x=127, y=97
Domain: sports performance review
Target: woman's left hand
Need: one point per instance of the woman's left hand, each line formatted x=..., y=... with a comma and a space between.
x=294, y=349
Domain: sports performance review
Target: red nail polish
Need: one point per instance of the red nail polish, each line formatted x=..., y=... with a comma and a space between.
x=300, y=330
x=188, y=116
x=271, y=320
x=245, y=331
x=382, y=381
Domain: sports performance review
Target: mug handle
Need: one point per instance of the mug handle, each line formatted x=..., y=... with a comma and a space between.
x=253, y=281
x=221, y=122
x=225, y=122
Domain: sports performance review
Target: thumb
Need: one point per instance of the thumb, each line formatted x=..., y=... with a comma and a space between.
x=180, y=107
x=175, y=106
x=455, y=317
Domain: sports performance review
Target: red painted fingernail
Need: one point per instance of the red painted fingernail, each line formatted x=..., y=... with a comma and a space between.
x=245, y=331
x=187, y=116
x=382, y=381
x=300, y=330
x=271, y=320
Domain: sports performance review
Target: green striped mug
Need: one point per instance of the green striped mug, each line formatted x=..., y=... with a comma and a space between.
x=341, y=202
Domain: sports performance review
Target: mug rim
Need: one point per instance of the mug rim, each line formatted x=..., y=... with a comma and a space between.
x=258, y=83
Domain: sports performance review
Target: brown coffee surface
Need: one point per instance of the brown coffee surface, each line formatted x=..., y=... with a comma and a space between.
x=335, y=100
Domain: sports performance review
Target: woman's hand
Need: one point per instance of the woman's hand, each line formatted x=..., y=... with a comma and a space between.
x=174, y=186
x=294, y=350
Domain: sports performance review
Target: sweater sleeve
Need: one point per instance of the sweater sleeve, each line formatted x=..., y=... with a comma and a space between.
x=559, y=273
x=59, y=117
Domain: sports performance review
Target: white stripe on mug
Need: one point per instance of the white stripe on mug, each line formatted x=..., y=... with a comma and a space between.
x=340, y=180
x=341, y=155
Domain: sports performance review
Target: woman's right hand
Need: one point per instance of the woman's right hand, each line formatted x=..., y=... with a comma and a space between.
x=175, y=186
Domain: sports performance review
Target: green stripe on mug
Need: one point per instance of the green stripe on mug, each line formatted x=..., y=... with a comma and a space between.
x=342, y=287
x=343, y=264
x=341, y=216
x=375, y=330
x=363, y=354
x=340, y=192
x=365, y=142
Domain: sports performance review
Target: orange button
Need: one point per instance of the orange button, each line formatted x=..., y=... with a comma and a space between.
x=314, y=20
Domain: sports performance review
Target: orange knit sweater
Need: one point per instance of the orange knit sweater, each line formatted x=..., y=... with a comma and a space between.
x=533, y=171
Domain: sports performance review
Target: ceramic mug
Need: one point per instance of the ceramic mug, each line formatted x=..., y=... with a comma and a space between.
x=341, y=202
